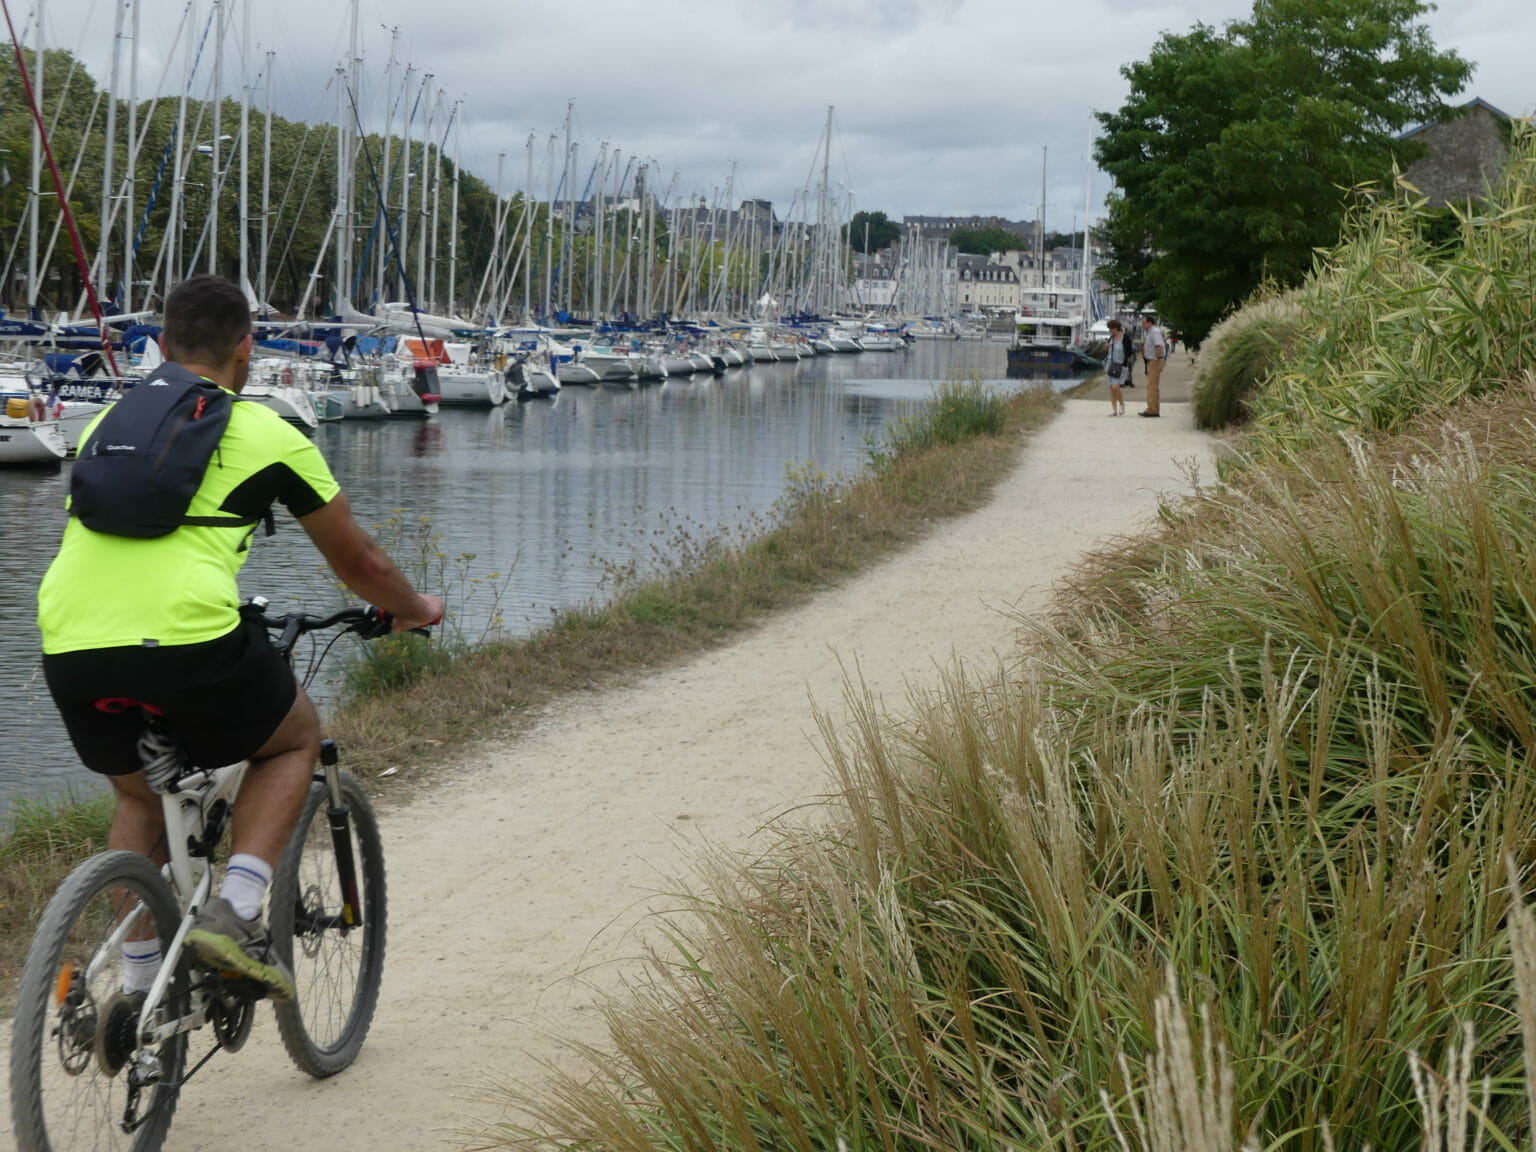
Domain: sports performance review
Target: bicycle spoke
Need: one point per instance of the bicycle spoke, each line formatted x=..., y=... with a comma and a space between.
x=75, y=1053
x=336, y=958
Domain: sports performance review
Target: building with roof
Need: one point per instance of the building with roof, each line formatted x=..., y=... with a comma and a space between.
x=1465, y=156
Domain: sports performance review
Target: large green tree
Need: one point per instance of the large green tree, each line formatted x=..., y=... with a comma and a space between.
x=1234, y=155
x=985, y=241
x=872, y=232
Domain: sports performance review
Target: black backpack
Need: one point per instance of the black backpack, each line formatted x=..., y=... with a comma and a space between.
x=1130, y=348
x=136, y=473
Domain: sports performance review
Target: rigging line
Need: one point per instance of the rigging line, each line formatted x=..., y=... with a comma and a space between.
x=171, y=142
x=149, y=119
x=298, y=213
x=405, y=276
x=69, y=216
x=136, y=146
x=74, y=174
x=34, y=201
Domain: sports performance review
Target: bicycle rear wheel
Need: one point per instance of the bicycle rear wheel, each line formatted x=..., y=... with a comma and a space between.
x=75, y=1057
x=333, y=943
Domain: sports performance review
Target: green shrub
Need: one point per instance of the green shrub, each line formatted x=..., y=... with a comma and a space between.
x=958, y=411
x=1237, y=357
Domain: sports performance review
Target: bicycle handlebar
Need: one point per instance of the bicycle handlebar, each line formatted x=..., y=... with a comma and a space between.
x=368, y=622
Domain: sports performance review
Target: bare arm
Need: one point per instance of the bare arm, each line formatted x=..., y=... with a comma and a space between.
x=363, y=566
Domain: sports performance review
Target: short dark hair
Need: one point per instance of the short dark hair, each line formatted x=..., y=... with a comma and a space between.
x=1115, y=326
x=206, y=317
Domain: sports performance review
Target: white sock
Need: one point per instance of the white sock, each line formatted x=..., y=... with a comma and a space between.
x=245, y=883
x=141, y=960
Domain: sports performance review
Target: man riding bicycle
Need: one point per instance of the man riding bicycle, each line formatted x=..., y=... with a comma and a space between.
x=155, y=623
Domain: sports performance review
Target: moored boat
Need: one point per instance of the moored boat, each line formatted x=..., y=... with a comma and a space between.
x=25, y=441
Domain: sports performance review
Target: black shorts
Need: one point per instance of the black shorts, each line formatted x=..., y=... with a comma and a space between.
x=223, y=699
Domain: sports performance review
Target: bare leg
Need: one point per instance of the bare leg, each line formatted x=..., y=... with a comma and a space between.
x=138, y=823
x=276, y=784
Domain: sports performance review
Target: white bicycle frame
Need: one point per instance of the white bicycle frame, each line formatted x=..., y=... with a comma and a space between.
x=187, y=810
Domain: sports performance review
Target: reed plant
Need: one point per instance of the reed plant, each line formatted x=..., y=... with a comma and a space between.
x=1394, y=322
x=396, y=663
x=1239, y=355
x=957, y=411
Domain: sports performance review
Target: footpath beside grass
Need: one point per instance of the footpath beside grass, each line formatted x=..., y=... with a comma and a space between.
x=942, y=462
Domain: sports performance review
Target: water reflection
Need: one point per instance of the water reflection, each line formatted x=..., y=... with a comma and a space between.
x=552, y=495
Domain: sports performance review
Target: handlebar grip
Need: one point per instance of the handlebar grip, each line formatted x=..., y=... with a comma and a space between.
x=377, y=623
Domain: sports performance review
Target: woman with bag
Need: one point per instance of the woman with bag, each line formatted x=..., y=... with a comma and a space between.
x=1115, y=368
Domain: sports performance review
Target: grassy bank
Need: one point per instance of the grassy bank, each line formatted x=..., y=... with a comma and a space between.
x=1238, y=856
x=941, y=462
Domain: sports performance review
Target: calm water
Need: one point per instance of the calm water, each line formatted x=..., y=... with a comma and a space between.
x=533, y=506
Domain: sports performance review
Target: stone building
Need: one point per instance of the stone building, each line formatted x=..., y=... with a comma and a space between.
x=1466, y=154
x=986, y=285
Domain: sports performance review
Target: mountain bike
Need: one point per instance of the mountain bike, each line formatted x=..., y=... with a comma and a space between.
x=91, y=1068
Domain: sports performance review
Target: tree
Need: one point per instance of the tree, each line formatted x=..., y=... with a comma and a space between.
x=872, y=232
x=1236, y=152
x=1054, y=240
x=984, y=241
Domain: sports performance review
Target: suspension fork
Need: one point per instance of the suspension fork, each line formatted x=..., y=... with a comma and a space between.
x=340, y=820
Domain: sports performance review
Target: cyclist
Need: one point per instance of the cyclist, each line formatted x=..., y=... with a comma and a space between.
x=157, y=622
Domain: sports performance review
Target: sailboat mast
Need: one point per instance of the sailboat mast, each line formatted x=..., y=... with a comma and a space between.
x=392, y=100
x=130, y=173
x=453, y=223
x=346, y=150
x=264, y=249
x=215, y=174
x=245, y=149
x=423, y=211
x=34, y=200
x=527, y=209
x=1040, y=223
x=109, y=153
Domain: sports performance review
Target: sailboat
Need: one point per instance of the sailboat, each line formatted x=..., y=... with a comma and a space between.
x=1051, y=316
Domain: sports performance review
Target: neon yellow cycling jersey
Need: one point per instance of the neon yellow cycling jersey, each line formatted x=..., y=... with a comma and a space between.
x=113, y=591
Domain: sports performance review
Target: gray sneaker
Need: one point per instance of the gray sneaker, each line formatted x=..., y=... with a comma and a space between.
x=222, y=939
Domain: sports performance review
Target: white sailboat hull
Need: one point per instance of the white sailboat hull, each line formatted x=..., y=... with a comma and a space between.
x=24, y=441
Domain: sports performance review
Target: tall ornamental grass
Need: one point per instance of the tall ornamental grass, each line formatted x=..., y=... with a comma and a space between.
x=1238, y=357
x=1226, y=863
x=1394, y=323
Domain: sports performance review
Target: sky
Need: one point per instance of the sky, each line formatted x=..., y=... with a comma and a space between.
x=939, y=107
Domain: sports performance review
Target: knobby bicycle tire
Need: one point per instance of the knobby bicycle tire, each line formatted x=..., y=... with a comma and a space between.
x=336, y=966
x=62, y=1097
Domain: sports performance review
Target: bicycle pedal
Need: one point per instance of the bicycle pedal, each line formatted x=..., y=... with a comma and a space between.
x=241, y=985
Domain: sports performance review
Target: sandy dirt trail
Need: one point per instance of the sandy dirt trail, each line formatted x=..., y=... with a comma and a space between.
x=517, y=882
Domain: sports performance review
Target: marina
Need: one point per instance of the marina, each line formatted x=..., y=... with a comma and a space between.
x=532, y=507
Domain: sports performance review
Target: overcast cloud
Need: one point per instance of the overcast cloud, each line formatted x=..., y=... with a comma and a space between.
x=941, y=106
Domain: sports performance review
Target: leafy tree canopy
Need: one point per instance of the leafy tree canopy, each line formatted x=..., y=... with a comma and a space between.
x=872, y=231
x=984, y=241
x=1234, y=154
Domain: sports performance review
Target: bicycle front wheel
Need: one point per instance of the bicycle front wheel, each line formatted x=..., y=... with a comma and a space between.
x=79, y=1077
x=327, y=918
